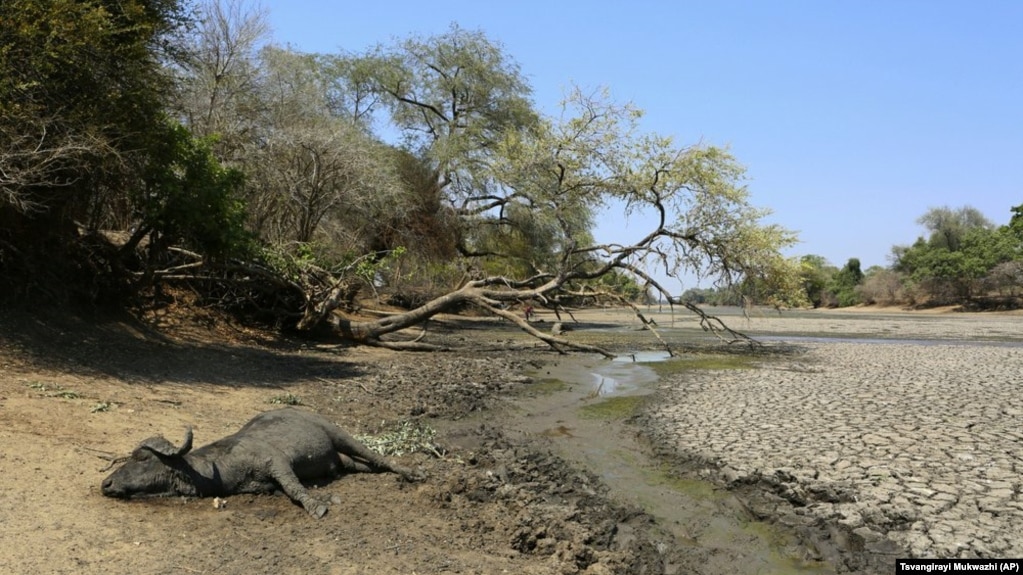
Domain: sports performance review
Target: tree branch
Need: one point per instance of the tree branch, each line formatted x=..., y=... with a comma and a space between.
x=555, y=342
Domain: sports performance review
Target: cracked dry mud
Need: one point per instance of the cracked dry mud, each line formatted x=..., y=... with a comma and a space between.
x=886, y=448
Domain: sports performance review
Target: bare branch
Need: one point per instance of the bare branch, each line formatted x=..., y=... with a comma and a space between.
x=556, y=343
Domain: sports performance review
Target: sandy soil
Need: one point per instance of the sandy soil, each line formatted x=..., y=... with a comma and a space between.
x=75, y=393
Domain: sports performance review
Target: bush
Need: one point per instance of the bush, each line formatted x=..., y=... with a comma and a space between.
x=189, y=197
x=1005, y=279
x=884, y=287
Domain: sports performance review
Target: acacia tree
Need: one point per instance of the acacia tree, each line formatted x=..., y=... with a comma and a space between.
x=553, y=174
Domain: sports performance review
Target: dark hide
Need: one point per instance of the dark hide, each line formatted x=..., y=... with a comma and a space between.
x=276, y=450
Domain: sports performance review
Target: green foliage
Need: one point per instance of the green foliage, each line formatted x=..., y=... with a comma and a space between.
x=406, y=437
x=949, y=227
x=285, y=399
x=481, y=184
x=81, y=89
x=962, y=250
x=816, y=274
x=1015, y=227
x=612, y=408
x=290, y=264
x=712, y=296
x=368, y=269
x=778, y=284
x=190, y=197
x=685, y=364
x=621, y=284
x=844, y=283
x=452, y=95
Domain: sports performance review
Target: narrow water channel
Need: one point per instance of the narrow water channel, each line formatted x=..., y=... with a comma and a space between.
x=581, y=404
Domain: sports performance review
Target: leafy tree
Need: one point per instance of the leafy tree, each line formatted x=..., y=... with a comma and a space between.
x=1015, y=227
x=949, y=226
x=518, y=191
x=844, y=282
x=189, y=198
x=456, y=98
x=499, y=197
x=962, y=249
x=453, y=96
x=551, y=176
x=82, y=89
x=816, y=274
x=82, y=82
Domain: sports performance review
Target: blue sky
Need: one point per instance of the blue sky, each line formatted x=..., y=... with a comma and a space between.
x=852, y=118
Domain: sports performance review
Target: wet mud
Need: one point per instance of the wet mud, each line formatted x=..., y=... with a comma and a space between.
x=583, y=406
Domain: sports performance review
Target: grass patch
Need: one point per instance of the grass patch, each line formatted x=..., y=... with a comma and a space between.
x=695, y=488
x=613, y=408
x=715, y=362
x=285, y=399
x=54, y=390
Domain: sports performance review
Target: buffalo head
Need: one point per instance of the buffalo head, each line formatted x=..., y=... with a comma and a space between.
x=155, y=468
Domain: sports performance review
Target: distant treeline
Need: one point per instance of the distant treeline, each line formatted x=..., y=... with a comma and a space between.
x=964, y=259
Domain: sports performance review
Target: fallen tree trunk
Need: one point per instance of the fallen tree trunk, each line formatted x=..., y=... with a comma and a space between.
x=370, y=332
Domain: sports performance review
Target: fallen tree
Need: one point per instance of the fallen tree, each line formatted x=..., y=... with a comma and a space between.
x=547, y=184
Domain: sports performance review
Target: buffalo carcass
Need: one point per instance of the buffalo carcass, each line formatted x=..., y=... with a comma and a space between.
x=275, y=450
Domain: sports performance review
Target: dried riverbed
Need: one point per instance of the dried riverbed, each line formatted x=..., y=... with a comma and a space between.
x=878, y=436
x=854, y=422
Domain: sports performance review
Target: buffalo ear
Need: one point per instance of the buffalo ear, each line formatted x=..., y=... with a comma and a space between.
x=161, y=446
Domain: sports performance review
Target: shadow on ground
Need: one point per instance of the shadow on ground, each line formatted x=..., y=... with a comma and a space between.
x=131, y=350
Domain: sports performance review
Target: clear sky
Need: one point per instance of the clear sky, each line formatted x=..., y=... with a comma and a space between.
x=852, y=117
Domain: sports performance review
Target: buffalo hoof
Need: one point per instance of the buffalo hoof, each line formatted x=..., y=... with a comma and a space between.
x=318, y=511
x=411, y=476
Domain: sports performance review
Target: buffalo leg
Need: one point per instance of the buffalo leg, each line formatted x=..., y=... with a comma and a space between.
x=293, y=488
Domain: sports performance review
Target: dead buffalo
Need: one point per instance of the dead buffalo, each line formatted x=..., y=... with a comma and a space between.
x=276, y=450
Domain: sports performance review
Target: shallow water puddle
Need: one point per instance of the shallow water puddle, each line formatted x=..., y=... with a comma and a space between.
x=625, y=373
x=581, y=406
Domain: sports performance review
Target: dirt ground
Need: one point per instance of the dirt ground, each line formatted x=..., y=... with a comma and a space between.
x=75, y=393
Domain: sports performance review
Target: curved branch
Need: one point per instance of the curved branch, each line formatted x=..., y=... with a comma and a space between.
x=716, y=326
x=648, y=324
x=554, y=342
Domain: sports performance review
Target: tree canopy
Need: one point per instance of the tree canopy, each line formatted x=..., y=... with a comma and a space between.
x=419, y=171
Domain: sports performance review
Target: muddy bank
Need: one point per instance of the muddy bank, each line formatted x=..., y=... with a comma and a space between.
x=588, y=409
x=870, y=436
